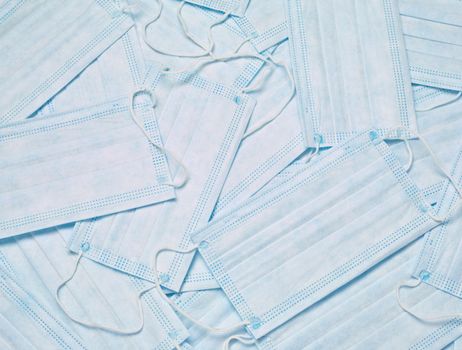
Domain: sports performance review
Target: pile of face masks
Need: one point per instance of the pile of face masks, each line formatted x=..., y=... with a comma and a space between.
x=231, y=174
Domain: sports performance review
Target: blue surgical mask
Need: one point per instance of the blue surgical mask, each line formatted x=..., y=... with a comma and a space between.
x=43, y=186
x=432, y=32
x=40, y=261
x=324, y=212
x=349, y=78
x=187, y=111
x=115, y=74
x=40, y=57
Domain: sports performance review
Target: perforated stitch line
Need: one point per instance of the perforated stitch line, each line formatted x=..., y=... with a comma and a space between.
x=26, y=307
x=11, y=11
x=116, y=23
x=397, y=61
x=437, y=334
x=441, y=74
x=153, y=305
x=222, y=277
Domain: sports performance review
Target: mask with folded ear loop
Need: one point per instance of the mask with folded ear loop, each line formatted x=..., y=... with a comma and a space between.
x=209, y=57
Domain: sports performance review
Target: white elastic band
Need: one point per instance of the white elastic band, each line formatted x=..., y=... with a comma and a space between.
x=262, y=123
x=414, y=283
x=439, y=165
x=162, y=52
x=182, y=180
x=95, y=325
x=411, y=155
x=243, y=339
x=459, y=94
x=179, y=310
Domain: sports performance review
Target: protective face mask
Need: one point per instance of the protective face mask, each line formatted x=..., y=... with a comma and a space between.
x=115, y=74
x=349, y=78
x=433, y=36
x=40, y=57
x=187, y=112
x=96, y=295
x=325, y=212
x=61, y=166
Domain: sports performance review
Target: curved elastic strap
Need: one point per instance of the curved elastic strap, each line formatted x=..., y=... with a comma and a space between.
x=179, y=310
x=459, y=94
x=268, y=59
x=414, y=283
x=115, y=330
x=263, y=122
x=240, y=338
x=184, y=179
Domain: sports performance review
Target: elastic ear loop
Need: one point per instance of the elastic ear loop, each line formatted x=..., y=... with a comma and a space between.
x=414, y=283
x=262, y=123
x=95, y=325
x=269, y=59
x=179, y=310
x=211, y=41
x=243, y=339
x=437, y=163
x=160, y=51
x=182, y=181
x=459, y=94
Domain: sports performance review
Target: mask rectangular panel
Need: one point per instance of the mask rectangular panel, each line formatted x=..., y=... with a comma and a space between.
x=433, y=37
x=202, y=124
x=349, y=77
x=45, y=44
x=79, y=165
x=284, y=250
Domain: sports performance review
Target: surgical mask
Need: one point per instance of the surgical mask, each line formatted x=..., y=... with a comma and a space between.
x=187, y=110
x=40, y=57
x=95, y=295
x=327, y=214
x=349, y=78
x=432, y=32
x=365, y=315
x=115, y=74
x=56, y=169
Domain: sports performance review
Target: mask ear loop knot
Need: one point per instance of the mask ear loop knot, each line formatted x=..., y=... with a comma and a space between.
x=179, y=310
x=185, y=177
x=243, y=339
x=452, y=100
x=414, y=283
x=95, y=325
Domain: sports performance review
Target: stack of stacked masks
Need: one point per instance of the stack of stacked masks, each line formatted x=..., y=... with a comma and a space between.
x=231, y=174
